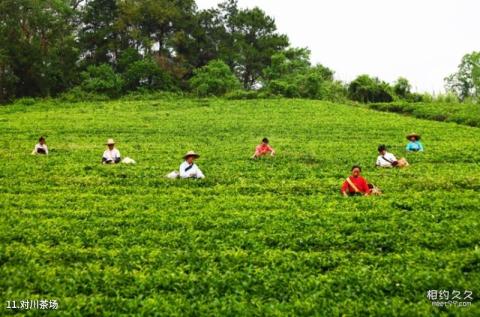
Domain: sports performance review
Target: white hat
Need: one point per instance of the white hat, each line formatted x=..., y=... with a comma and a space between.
x=110, y=142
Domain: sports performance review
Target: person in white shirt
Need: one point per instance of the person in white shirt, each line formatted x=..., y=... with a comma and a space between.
x=41, y=147
x=387, y=159
x=188, y=169
x=111, y=155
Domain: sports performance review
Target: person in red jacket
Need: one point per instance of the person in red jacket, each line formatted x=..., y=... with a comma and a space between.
x=263, y=149
x=356, y=184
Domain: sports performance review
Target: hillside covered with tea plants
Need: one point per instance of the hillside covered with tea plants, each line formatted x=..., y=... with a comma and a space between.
x=255, y=238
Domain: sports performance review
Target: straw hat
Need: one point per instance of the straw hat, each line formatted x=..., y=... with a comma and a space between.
x=413, y=134
x=110, y=142
x=191, y=153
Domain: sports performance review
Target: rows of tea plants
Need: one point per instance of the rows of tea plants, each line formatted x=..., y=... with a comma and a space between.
x=267, y=237
x=461, y=113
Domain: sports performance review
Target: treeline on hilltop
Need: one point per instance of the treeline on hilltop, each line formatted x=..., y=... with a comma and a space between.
x=85, y=48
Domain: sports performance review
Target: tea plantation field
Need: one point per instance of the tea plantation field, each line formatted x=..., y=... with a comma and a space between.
x=272, y=237
x=462, y=113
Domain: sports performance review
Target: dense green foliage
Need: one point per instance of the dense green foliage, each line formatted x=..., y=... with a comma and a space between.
x=291, y=75
x=465, y=83
x=367, y=89
x=101, y=80
x=44, y=45
x=214, y=79
x=255, y=238
x=147, y=74
x=462, y=113
x=38, y=51
x=402, y=88
x=158, y=45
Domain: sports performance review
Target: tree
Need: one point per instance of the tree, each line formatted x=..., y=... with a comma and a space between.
x=102, y=80
x=205, y=39
x=402, y=88
x=466, y=81
x=46, y=43
x=152, y=25
x=126, y=58
x=256, y=41
x=291, y=75
x=99, y=38
x=146, y=74
x=245, y=39
x=214, y=79
x=159, y=29
x=39, y=50
x=286, y=63
x=366, y=89
x=7, y=79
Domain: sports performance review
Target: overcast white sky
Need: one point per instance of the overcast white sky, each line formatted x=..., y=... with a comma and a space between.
x=422, y=40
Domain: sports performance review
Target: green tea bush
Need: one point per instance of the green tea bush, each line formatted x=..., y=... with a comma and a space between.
x=462, y=113
x=147, y=94
x=267, y=237
x=77, y=94
x=26, y=101
x=242, y=94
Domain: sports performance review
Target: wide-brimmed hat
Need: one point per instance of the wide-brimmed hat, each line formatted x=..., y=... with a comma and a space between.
x=110, y=142
x=191, y=153
x=413, y=134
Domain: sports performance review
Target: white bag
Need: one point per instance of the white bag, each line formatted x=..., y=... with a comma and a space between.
x=173, y=175
x=128, y=160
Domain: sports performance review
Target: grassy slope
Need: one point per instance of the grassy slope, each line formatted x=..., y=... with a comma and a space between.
x=266, y=237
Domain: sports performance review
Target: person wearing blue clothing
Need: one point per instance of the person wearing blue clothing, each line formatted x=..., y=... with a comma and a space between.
x=414, y=145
